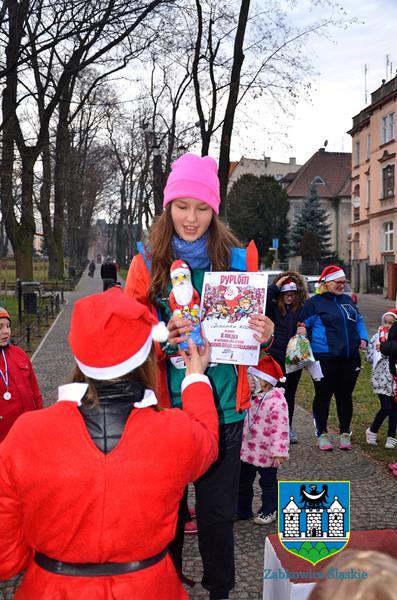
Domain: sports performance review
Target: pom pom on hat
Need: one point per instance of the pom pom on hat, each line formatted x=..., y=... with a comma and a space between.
x=331, y=273
x=4, y=314
x=111, y=334
x=160, y=332
x=194, y=177
x=269, y=370
x=392, y=312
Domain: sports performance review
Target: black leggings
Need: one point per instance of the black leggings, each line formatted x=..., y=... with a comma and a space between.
x=340, y=376
x=388, y=408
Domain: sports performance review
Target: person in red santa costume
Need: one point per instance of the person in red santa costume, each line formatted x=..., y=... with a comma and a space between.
x=81, y=511
x=19, y=390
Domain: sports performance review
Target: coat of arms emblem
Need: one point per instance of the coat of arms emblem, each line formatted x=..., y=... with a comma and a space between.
x=314, y=518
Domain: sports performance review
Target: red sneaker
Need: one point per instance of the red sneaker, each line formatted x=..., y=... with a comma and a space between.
x=192, y=509
x=392, y=466
x=191, y=527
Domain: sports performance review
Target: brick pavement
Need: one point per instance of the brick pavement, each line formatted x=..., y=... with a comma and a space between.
x=373, y=503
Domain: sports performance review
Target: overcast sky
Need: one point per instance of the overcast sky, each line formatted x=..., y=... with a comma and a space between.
x=339, y=86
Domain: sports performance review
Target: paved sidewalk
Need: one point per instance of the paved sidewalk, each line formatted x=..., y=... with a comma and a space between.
x=53, y=361
x=373, y=490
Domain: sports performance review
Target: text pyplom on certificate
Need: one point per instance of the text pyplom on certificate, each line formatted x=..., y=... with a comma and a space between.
x=227, y=302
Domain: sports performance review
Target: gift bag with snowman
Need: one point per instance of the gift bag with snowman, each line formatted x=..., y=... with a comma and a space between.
x=299, y=355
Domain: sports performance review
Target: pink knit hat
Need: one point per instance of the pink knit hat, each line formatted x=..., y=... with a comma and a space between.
x=193, y=177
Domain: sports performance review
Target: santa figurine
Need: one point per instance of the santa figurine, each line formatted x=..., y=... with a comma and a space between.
x=184, y=300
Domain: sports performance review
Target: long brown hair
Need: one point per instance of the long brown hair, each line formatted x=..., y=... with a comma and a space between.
x=220, y=242
x=144, y=374
x=301, y=293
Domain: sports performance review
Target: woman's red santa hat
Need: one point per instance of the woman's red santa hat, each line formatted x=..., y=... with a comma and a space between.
x=331, y=273
x=111, y=334
x=289, y=285
x=269, y=370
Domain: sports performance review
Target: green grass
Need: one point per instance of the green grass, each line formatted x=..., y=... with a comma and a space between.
x=123, y=273
x=7, y=271
x=365, y=406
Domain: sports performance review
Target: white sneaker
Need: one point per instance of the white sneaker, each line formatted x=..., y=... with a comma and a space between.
x=370, y=436
x=391, y=443
x=263, y=519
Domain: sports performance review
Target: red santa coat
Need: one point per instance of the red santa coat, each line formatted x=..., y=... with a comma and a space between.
x=60, y=495
x=22, y=384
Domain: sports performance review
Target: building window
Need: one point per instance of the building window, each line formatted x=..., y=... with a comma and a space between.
x=368, y=195
x=368, y=146
x=296, y=211
x=356, y=153
x=356, y=203
x=388, y=229
x=387, y=128
x=388, y=181
x=317, y=181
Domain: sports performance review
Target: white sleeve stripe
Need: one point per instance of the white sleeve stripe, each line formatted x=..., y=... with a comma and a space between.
x=194, y=378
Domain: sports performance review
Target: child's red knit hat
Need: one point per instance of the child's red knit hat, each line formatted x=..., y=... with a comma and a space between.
x=269, y=370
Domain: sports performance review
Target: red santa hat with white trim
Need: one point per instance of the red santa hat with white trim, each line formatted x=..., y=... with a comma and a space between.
x=178, y=267
x=289, y=285
x=269, y=370
x=331, y=273
x=111, y=334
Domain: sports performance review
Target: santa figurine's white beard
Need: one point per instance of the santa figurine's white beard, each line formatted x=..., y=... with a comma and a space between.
x=183, y=293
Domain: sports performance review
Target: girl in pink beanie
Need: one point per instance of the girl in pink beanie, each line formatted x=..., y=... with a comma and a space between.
x=190, y=230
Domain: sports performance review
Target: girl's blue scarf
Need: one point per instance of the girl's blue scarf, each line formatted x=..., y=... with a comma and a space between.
x=194, y=253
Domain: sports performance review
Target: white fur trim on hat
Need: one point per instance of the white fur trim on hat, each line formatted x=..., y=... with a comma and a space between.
x=179, y=271
x=335, y=275
x=262, y=375
x=391, y=314
x=160, y=332
x=289, y=287
x=105, y=373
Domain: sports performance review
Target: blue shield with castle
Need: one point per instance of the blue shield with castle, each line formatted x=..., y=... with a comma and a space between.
x=314, y=517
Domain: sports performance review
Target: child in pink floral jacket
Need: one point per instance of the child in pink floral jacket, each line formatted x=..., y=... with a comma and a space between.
x=265, y=441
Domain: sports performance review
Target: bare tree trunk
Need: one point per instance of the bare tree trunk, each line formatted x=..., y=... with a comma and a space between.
x=227, y=129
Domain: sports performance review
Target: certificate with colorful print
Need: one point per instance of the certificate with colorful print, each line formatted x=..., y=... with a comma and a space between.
x=228, y=300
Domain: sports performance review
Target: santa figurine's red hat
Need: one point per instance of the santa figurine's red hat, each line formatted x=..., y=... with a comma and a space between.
x=289, y=285
x=269, y=370
x=179, y=267
x=111, y=334
x=331, y=273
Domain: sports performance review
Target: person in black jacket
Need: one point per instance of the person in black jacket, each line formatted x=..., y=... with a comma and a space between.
x=285, y=298
x=108, y=273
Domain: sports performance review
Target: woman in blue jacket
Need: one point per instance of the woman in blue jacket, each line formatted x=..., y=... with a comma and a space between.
x=337, y=333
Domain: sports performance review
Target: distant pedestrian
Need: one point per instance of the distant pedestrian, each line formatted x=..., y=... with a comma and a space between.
x=91, y=268
x=383, y=383
x=265, y=441
x=108, y=273
x=19, y=390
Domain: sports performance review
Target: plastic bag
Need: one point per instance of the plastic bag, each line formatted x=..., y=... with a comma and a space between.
x=298, y=354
